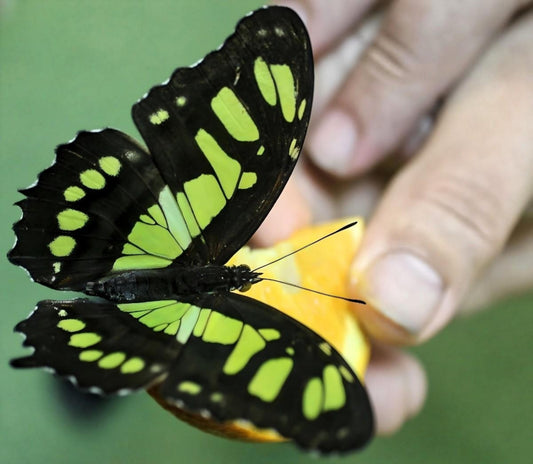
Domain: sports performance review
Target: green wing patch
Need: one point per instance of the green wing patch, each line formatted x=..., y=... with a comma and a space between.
x=168, y=316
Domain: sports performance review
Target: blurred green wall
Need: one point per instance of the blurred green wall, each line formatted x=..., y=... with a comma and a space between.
x=67, y=65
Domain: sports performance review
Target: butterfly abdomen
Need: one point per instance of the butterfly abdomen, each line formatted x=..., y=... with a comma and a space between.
x=170, y=283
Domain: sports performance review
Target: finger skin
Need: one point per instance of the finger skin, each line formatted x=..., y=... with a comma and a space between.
x=290, y=213
x=397, y=386
x=451, y=210
x=420, y=52
x=327, y=21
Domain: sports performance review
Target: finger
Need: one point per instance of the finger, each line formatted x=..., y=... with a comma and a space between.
x=450, y=211
x=333, y=68
x=397, y=387
x=421, y=50
x=289, y=213
x=328, y=199
x=327, y=22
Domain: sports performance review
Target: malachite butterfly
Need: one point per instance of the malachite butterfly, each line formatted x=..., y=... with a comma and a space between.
x=149, y=231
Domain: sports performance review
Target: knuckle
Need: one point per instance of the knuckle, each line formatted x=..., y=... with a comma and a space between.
x=468, y=208
x=406, y=53
x=390, y=60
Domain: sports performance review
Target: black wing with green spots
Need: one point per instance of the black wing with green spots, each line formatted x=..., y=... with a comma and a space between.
x=246, y=361
x=101, y=348
x=215, y=165
x=224, y=353
x=223, y=137
x=88, y=211
x=214, y=129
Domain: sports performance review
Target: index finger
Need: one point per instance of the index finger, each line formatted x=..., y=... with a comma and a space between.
x=327, y=22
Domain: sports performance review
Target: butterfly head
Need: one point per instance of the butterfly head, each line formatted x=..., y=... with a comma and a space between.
x=243, y=277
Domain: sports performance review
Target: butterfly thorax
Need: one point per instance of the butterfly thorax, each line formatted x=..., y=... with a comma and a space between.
x=173, y=282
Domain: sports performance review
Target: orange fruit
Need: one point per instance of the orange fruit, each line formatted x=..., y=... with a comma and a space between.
x=323, y=267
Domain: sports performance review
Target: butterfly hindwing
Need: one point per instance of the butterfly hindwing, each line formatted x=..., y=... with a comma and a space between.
x=98, y=346
x=224, y=353
x=246, y=361
x=227, y=132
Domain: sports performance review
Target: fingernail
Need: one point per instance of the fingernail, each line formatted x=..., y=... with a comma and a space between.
x=404, y=288
x=332, y=145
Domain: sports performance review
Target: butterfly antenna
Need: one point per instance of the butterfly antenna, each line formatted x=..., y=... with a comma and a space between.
x=347, y=226
x=351, y=300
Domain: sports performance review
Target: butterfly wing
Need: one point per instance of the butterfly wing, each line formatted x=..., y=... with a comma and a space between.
x=96, y=345
x=227, y=354
x=224, y=136
x=226, y=133
x=246, y=361
x=101, y=207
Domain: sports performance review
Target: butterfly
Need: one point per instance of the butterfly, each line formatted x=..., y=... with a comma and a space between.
x=147, y=233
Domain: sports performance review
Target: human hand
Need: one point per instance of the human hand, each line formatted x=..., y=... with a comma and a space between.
x=439, y=237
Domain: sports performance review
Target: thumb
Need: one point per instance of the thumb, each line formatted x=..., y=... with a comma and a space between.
x=450, y=211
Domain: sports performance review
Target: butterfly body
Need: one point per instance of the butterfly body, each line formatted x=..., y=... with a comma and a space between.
x=149, y=230
x=172, y=283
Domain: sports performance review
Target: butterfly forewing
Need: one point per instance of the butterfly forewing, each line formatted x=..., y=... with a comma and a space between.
x=101, y=207
x=227, y=132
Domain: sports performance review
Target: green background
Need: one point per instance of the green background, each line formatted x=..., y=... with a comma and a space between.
x=71, y=65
